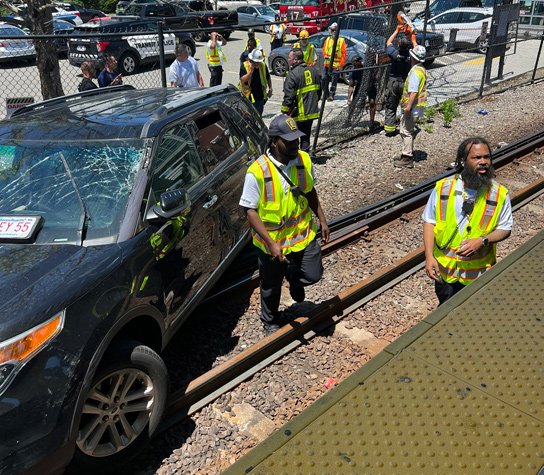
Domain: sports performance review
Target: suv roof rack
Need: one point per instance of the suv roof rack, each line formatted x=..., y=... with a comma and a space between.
x=64, y=99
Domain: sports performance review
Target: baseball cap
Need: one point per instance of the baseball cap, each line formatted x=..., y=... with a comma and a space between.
x=256, y=56
x=285, y=127
x=418, y=53
x=303, y=34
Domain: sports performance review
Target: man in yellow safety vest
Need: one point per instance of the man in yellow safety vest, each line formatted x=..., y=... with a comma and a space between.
x=255, y=80
x=465, y=217
x=339, y=58
x=216, y=58
x=279, y=198
x=310, y=58
x=413, y=103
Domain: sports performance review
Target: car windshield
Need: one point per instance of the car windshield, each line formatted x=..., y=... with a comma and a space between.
x=34, y=180
x=265, y=11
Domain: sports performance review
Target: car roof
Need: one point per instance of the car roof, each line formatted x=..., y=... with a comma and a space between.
x=109, y=113
x=485, y=10
x=10, y=26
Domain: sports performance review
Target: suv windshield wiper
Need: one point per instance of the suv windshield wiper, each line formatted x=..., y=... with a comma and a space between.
x=85, y=216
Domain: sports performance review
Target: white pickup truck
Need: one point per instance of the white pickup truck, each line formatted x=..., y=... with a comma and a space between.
x=233, y=4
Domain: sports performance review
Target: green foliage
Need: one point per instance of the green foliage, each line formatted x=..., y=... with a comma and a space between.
x=428, y=128
x=429, y=114
x=450, y=110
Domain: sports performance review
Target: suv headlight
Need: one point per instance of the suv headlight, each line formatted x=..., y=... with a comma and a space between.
x=17, y=351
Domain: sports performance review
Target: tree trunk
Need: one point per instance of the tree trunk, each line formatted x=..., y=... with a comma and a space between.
x=41, y=20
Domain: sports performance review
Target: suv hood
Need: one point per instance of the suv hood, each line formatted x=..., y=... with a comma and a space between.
x=37, y=281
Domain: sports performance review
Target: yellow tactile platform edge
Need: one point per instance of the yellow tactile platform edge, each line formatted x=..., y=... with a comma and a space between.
x=465, y=397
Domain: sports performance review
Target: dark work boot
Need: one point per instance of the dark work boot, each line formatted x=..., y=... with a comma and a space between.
x=403, y=162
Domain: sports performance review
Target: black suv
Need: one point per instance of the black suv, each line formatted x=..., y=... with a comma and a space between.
x=118, y=212
x=132, y=40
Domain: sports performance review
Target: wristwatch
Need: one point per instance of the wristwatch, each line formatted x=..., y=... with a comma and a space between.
x=485, y=241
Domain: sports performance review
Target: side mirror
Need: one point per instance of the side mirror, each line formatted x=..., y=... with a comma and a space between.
x=171, y=204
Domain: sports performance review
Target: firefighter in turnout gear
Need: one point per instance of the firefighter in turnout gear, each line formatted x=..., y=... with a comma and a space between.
x=279, y=198
x=339, y=58
x=310, y=58
x=400, y=67
x=465, y=217
x=301, y=94
x=216, y=58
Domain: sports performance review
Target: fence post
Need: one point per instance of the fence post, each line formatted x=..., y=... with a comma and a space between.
x=325, y=83
x=537, y=58
x=161, y=53
x=452, y=39
x=425, y=18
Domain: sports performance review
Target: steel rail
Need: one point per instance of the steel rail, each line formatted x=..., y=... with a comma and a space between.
x=207, y=387
x=354, y=225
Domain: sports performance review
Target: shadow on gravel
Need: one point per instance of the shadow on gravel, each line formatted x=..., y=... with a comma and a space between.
x=420, y=156
x=320, y=159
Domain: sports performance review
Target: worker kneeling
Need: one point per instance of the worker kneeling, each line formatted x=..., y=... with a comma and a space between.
x=279, y=197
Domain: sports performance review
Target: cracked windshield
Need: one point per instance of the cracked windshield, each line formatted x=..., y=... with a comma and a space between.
x=77, y=188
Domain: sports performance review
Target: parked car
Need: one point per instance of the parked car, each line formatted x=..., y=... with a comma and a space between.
x=137, y=43
x=62, y=28
x=15, y=49
x=357, y=43
x=118, y=212
x=84, y=13
x=122, y=5
x=258, y=17
x=440, y=6
x=275, y=6
x=467, y=21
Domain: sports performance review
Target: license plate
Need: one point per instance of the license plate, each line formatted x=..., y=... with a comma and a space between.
x=81, y=48
x=18, y=227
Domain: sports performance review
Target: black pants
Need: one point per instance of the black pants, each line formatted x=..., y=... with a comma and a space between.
x=305, y=268
x=216, y=75
x=445, y=291
x=305, y=126
x=276, y=43
x=393, y=95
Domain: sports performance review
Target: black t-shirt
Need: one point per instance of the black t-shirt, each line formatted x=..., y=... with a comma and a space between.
x=86, y=85
x=400, y=62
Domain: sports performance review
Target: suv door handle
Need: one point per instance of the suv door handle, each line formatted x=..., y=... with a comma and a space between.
x=210, y=203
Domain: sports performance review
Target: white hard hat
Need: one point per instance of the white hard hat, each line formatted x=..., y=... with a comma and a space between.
x=333, y=26
x=256, y=56
x=418, y=53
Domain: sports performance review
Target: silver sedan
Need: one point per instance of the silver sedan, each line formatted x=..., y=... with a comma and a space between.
x=257, y=17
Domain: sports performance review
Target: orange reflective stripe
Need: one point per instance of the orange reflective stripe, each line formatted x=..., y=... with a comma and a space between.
x=269, y=191
x=491, y=201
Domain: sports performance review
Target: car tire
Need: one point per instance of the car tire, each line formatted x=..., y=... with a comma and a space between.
x=428, y=62
x=200, y=36
x=479, y=49
x=280, y=66
x=226, y=35
x=267, y=28
x=344, y=75
x=104, y=411
x=128, y=63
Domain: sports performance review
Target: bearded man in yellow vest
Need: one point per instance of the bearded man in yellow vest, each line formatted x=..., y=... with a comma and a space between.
x=279, y=197
x=413, y=103
x=465, y=217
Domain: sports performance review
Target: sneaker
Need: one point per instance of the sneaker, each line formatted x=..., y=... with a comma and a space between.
x=270, y=328
x=297, y=293
x=403, y=162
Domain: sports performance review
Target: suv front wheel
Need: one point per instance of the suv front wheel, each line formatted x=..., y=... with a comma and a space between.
x=122, y=408
x=128, y=63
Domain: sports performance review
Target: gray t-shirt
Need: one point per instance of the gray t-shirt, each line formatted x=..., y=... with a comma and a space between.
x=184, y=73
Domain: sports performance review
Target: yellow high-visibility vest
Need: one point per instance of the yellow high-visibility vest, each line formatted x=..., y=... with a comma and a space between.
x=339, y=57
x=309, y=52
x=215, y=55
x=422, y=90
x=288, y=220
x=447, y=238
x=246, y=88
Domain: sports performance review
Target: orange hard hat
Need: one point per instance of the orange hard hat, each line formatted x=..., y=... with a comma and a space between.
x=303, y=34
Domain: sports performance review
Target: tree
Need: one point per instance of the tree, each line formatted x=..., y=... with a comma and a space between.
x=40, y=19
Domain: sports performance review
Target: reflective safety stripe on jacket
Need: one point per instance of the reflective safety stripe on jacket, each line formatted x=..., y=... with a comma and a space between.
x=288, y=220
x=483, y=220
x=309, y=52
x=246, y=89
x=339, y=57
x=421, y=72
x=307, y=94
x=215, y=56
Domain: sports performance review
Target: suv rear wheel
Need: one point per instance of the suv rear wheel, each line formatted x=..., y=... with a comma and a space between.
x=122, y=407
x=128, y=63
x=200, y=36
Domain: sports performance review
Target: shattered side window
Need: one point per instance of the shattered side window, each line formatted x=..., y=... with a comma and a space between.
x=53, y=180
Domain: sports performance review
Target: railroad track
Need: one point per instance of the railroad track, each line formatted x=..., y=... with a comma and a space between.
x=345, y=230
